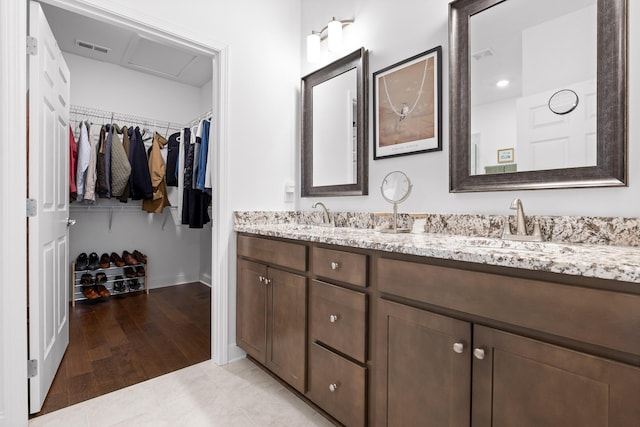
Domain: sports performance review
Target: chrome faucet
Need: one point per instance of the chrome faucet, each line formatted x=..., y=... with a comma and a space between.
x=521, y=228
x=326, y=217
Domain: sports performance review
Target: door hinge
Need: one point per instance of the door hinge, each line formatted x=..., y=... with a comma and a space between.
x=32, y=45
x=32, y=207
x=32, y=368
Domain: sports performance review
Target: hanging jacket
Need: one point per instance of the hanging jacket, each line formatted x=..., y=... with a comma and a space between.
x=101, y=165
x=91, y=176
x=157, y=169
x=173, y=151
x=140, y=180
x=203, y=160
x=120, y=167
x=73, y=158
x=84, y=153
x=126, y=145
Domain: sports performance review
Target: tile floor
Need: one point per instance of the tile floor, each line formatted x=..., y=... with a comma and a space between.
x=238, y=394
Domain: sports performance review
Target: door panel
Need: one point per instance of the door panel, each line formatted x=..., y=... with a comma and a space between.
x=48, y=184
x=529, y=383
x=420, y=379
x=251, y=314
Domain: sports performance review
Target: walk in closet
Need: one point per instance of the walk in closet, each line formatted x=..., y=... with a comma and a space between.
x=121, y=78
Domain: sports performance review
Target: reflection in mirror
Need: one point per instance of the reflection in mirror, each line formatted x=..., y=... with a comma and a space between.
x=396, y=187
x=335, y=130
x=522, y=53
x=514, y=67
x=334, y=123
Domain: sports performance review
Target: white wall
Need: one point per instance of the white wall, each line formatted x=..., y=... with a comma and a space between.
x=111, y=87
x=393, y=31
x=174, y=253
x=496, y=123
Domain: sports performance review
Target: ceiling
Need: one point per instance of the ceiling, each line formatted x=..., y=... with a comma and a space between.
x=97, y=40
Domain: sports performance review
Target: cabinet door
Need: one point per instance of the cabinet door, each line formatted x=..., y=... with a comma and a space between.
x=420, y=378
x=251, y=311
x=528, y=383
x=287, y=312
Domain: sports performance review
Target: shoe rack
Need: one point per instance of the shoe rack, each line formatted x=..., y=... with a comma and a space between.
x=112, y=272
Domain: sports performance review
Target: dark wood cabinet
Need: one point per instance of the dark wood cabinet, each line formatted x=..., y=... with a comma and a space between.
x=423, y=368
x=529, y=383
x=271, y=314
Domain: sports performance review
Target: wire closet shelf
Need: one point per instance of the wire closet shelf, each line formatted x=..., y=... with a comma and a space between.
x=78, y=113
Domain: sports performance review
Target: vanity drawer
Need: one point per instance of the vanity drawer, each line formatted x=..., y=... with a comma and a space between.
x=560, y=309
x=337, y=318
x=337, y=386
x=340, y=265
x=275, y=252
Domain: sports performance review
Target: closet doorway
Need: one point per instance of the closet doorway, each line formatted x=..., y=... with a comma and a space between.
x=147, y=67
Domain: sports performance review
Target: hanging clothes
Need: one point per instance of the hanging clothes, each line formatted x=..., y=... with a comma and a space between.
x=107, y=158
x=120, y=167
x=195, y=202
x=203, y=160
x=91, y=178
x=157, y=169
x=196, y=155
x=73, y=159
x=173, y=151
x=185, y=136
x=84, y=153
x=140, y=180
x=126, y=145
x=208, y=177
x=101, y=165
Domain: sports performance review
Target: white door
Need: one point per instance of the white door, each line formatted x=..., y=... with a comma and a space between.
x=49, y=186
x=551, y=141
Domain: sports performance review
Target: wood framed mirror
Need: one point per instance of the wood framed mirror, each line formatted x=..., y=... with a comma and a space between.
x=606, y=145
x=334, y=127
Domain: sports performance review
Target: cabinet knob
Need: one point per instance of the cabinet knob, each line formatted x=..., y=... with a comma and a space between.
x=333, y=318
x=267, y=280
x=333, y=387
x=478, y=353
x=458, y=347
x=335, y=265
x=261, y=279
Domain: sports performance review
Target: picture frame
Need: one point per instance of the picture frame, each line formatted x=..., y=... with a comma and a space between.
x=407, y=115
x=506, y=155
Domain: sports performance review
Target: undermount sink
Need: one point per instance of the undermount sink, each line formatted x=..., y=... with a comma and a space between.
x=516, y=246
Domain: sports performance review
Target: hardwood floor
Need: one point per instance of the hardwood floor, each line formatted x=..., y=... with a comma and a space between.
x=128, y=339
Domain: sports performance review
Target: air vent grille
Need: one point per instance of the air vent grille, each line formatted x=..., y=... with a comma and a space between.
x=92, y=46
x=484, y=53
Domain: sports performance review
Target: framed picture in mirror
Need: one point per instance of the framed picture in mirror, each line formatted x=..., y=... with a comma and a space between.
x=408, y=106
x=505, y=155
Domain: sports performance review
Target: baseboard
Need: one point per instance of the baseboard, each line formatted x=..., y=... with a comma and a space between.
x=164, y=281
x=206, y=279
x=236, y=353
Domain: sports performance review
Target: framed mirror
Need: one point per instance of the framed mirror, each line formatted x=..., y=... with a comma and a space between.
x=526, y=114
x=334, y=127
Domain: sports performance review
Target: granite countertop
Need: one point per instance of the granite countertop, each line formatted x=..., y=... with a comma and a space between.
x=620, y=263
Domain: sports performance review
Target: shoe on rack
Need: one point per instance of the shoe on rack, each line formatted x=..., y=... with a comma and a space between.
x=105, y=262
x=128, y=258
x=140, y=271
x=94, y=262
x=118, y=285
x=86, y=279
x=102, y=291
x=82, y=262
x=139, y=256
x=117, y=260
x=90, y=293
x=101, y=278
x=134, y=284
x=129, y=272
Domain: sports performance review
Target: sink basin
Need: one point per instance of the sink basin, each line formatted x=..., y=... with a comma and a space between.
x=512, y=246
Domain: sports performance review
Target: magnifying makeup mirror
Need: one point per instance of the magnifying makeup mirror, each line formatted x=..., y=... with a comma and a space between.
x=396, y=187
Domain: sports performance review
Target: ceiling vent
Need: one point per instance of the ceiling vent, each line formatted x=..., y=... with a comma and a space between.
x=484, y=53
x=92, y=46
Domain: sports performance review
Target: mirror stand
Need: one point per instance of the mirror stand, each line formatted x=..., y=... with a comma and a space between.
x=396, y=187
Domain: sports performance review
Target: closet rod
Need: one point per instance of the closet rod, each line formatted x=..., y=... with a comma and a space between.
x=78, y=112
x=206, y=115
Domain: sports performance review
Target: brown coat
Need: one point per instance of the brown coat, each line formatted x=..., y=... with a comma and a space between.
x=157, y=169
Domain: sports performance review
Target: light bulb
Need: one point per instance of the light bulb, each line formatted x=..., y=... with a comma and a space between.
x=335, y=35
x=313, y=47
x=503, y=83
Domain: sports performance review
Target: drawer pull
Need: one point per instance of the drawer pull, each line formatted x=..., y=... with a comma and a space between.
x=458, y=347
x=333, y=318
x=261, y=279
x=267, y=281
x=479, y=353
x=333, y=387
x=335, y=265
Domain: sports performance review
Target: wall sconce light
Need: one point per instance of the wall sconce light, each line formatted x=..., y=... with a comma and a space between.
x=333, y=32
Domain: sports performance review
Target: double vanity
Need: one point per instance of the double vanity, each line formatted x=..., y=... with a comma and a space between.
x=396, y=329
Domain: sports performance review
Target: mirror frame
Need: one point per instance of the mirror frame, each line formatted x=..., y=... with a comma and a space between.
x=611, y=168
x=356, y=60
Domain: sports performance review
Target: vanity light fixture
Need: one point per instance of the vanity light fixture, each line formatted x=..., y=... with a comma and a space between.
x=502, y=83
x=333, y=32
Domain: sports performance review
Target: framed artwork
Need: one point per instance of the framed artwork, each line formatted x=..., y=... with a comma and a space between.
x=505, y=155
x=408, y=106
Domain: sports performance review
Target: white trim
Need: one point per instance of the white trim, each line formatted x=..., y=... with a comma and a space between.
x=13, y=224
x=236, y=353
x=168, y=32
